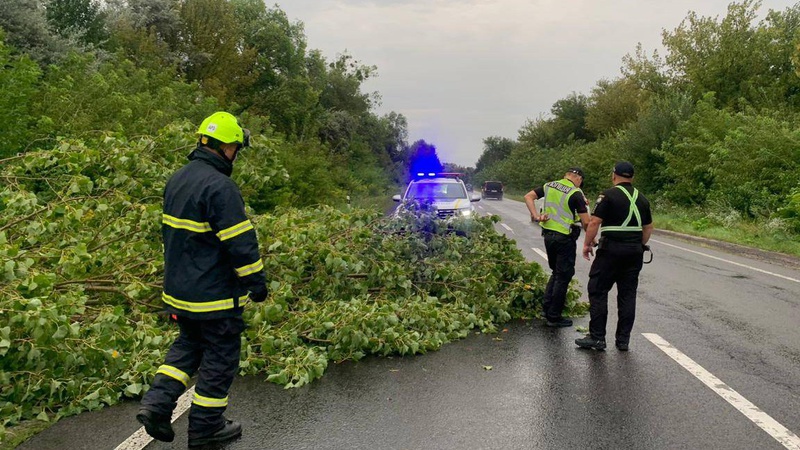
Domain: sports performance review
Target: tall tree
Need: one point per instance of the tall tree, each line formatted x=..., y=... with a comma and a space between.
x=343, y=81
x=495, y=149
x=28, y=31
x=743, y=62
x=281, y=86
x=18, y=83
x=613, y=105
x=210, y=46
x=81, y=18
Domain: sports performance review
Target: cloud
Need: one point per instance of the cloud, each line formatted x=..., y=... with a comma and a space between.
x=464, y=70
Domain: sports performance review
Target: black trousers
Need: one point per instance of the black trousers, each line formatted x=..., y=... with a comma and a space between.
x=561, y=249
x=211, y=348
x=618, y=263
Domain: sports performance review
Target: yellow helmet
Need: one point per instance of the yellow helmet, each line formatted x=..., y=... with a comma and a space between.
x=224, y=127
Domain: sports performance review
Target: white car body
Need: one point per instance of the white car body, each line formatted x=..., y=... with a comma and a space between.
x=448, y=195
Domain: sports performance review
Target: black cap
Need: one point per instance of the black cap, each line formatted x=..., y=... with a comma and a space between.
x=624, y=169
x=576, y=170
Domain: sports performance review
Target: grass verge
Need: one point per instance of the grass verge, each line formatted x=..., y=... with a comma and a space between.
x=770, y=235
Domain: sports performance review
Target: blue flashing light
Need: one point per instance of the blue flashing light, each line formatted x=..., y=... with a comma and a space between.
x=425, y=165
x=420, y=175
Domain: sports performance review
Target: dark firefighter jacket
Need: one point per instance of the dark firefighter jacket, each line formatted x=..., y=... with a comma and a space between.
x=211, y=257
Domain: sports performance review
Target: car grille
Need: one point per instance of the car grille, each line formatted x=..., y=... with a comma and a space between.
x=445, y=213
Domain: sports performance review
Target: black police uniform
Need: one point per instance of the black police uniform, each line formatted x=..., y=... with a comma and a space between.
x=211, y=261
x=618, y=260
x=561, y=251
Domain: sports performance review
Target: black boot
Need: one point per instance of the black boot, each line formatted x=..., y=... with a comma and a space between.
x=156, y=425
x=231, y=430
x=560, y=323
x=591, y=343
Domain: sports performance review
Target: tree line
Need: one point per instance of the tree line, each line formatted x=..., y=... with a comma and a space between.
x=714, y=123
x=85, y=70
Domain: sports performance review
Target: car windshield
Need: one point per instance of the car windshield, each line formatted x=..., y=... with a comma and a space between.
x=493, y=185
x=436, y=191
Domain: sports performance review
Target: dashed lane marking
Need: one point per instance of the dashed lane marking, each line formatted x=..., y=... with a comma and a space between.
x=540, y=253
x=729, y=261
x=507, y=227
x=140, y=439
x=751, y=411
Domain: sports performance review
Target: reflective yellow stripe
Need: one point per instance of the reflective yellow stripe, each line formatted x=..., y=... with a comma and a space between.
x=235, y=230
x=250, y=268
x=632, y=212
x=174, y=372
x=209, y=402
x=185, y=224
x=198, y=307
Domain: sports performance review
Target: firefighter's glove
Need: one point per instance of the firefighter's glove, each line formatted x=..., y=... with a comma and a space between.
x=259, y=295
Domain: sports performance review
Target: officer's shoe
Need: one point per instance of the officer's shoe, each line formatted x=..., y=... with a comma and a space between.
x=560, y=323
x=622, y=346
x=231, y=430
x=156, y=425
x=591, y=343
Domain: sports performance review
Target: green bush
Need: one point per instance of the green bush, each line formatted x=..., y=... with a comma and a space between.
x=81, y=265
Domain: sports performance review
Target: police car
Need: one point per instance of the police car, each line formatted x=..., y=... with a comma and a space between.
x=444, y=193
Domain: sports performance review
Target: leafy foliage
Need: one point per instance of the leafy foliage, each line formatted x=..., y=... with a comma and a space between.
x=18, y=80
x=80, y=254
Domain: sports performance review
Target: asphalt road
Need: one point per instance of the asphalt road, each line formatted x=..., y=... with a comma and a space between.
x=735, y=318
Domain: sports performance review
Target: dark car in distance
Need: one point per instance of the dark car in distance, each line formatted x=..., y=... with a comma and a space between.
x=492, y=189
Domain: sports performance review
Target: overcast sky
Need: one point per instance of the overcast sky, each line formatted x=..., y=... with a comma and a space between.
x=464, y=70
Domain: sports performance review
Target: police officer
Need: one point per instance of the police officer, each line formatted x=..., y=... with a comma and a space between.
x=622, y=214
x=564, y=207
x=211, y=263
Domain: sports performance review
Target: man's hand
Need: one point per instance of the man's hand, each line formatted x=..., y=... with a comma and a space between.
x=541, y=218
x=259, y=295
x=588, y=250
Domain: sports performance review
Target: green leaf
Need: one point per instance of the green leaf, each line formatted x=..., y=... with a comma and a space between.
x=61, y=332
x=134, y=389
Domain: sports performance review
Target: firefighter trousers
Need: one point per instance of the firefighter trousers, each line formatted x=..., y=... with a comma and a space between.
x=210, y=348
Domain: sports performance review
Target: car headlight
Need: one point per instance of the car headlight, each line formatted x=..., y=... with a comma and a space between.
x=466, y=212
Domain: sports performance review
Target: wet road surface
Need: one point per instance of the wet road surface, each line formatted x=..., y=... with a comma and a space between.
x=740, y=322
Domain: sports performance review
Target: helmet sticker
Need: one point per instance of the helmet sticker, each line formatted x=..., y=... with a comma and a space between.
x=212, y=127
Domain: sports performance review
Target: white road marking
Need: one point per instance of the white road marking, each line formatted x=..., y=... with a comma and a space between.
x=751, y=411
x=540, y=253
x=140, y=439
x=507, y=227
x=729, y=262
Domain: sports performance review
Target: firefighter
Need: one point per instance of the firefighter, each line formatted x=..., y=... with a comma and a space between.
x=211, y=266
x=622, y=215
x=565, y=207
